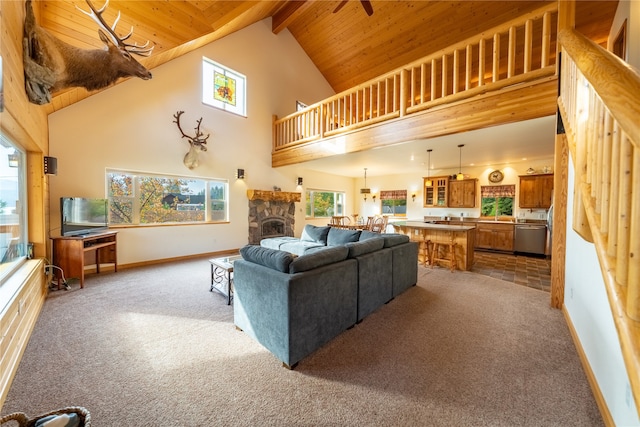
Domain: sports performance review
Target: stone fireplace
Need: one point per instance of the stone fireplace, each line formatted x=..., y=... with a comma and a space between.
x=271, y=214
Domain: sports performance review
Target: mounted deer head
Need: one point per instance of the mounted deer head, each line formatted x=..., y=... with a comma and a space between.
x=196, y=142
x=51, y=65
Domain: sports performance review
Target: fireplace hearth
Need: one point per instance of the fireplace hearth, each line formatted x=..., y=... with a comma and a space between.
x=271, y=214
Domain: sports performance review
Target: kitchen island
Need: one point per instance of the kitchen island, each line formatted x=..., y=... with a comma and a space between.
x=463, y=236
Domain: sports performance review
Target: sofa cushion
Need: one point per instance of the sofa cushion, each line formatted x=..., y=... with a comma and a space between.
x=272, y=258
x=366, y=235
x=364, y=246
x=276, y=242
x=340, y=236
x=318, y=259
x=312, y=233
x=394, y=239
x=300, y=247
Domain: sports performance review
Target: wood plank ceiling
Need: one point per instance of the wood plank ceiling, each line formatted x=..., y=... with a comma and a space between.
x=348, y=47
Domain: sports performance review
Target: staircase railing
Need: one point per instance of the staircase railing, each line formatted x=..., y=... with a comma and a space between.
x=517, y=51
x=600, y=104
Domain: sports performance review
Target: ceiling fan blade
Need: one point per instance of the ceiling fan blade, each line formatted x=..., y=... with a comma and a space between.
x=340, y=6
x=366, y=4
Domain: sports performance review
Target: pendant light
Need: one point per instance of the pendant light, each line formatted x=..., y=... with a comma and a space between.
x=429, y=182
x=460, y=176
x=365, y=190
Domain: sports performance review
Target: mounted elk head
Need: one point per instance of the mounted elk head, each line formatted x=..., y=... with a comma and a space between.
x=197, y=142
x=51, y=65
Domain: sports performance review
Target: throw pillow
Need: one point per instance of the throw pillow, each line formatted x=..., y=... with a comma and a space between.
x=318, y=259
x=312, y=233
x=340, y=236
x=272, y=258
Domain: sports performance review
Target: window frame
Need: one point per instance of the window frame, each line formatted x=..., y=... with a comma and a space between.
x=310, y=210
x=208, y=87
x=501, y=192
x=133, y=198
x=19, y=244
x=394, y=195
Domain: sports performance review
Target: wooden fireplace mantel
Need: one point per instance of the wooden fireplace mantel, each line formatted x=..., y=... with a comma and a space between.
x=273, y=196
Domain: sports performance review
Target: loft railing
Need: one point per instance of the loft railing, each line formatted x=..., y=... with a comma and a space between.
x=517, y=51
x=600, y=104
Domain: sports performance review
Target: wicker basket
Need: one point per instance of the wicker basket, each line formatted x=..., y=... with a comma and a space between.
x=24, y=421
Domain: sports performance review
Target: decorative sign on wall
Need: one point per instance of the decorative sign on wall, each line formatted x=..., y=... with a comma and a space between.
x=224, y=88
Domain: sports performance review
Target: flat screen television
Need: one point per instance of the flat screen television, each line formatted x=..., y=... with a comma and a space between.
x=79, y=216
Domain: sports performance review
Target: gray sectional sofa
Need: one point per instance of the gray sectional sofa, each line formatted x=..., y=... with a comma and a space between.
x=295, y=295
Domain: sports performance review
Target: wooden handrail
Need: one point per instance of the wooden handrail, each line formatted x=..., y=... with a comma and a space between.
x=599, y=105
x=460, y=71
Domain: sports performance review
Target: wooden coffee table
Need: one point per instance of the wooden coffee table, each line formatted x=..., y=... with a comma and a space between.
x=221, y=275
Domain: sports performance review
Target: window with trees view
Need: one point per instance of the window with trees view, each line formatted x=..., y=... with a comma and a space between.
x=497, y=200
x=394, y=202
x=155, y=199
x=324, y=204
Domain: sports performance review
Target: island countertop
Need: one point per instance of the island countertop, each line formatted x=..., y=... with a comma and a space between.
x=426, y=234
x=419, y=224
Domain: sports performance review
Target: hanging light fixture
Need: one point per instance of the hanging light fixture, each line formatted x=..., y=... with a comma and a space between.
x=365, y=190
x=429, y=182
x=460, y=176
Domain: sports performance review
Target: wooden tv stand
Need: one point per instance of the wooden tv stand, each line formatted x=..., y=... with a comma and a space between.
x=73, y=253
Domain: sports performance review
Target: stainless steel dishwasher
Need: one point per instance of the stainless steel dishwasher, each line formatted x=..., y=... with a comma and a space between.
x=531, y=238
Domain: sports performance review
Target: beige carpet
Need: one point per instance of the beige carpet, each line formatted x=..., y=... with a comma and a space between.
x=153, y=347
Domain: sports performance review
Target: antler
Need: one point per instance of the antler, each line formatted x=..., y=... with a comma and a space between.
x=96, y=15
x=197, y=140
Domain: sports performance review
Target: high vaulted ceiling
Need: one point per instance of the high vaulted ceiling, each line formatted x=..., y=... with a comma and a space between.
x=348, y=46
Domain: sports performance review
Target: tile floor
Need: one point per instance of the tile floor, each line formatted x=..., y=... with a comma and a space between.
x=531, y=271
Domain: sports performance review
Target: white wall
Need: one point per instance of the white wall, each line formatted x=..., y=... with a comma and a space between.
x=629, y=11
x=588, y=307
x=130, y=126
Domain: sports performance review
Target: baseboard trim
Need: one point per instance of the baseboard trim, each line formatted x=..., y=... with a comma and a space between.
x=180, y=258
x=593, y=383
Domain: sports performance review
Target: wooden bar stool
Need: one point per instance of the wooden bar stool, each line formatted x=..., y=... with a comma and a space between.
x=448, y=247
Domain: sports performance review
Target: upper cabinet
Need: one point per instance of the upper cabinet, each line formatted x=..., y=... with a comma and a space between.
x=462, y=194
x=536, y=191
x=437, y=193
x=450, y=193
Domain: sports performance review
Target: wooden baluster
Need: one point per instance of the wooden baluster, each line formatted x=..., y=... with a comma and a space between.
x=624, y=211
x=511, y=55
x=612, y=238
x=605, y=201
x=496, y=57
x=633, y=292
x=455, y=70
x=528, y=44
x=444, y=75
x=481, y=54
x=546, y=39
x=468, y=63
x=433, y=79
x=423, y=81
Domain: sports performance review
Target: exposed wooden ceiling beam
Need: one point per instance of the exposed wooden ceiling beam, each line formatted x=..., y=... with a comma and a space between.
x=287, y=14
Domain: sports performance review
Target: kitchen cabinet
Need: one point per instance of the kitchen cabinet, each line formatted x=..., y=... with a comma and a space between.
x=462, y=194
x=535, y=191
x=437, y=194
x=494, y=236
